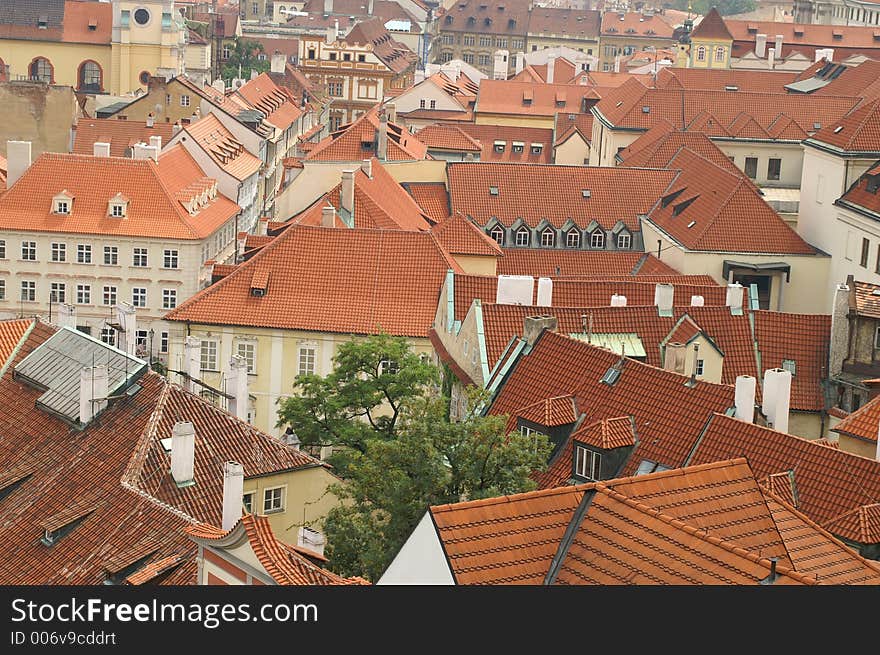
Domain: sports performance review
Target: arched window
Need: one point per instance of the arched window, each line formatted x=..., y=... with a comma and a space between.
x=597, y=239
x=90, y=77
x=573, y=239
x=548, y=238
x=701, y=53
x=497, y=233
x=719, y=53
x=523, y=236
x=41, y=69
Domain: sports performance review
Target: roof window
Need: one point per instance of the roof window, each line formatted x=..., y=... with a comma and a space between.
x=838, y=129
x=585, y=193
x=493, y=190
x=789, y=365
x=646, y=109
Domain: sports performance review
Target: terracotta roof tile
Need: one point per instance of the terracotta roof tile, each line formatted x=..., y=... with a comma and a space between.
x=550, y=412
x=532, y=98
x=712, y=27
x=619, y=24
x=567, y=124
x=121, y=135
x=854, y=39
x=12, y=331
x=863, y=195
x=863, y=523
x=352, y=281
x=607, y=434
x=486, y=17
x=481, y=140
x=394, y=54
x=459, y=236
x=858, y=131
x=448, y=137
x=154, y=209
x=226, y=151
x=79, y=17
x=659, y=152
x=278, y=105
x=346, y=143
x=580, y=263
x=559, y=21
x=867, y=299
x=862, y=423
x=431, y=197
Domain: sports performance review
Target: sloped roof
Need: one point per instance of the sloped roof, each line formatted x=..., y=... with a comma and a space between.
x=12, y=331
x=346, y=143
x=565, y=22
x=619, y=24
x=431, y=197
x=120, y=134
x=549, y=412
x=394, y=54
x=659, y=152
x=579, y=263
x=867, y=299
x=863, y=523
x=862, y=423
x=276, y=103
x=350, y=281
x=712, y=27
x=607, y=433
x=532, y=98
x=858, y=131
x=486, y=16
x=70, y=21
x=459, y=236
x=222, y=147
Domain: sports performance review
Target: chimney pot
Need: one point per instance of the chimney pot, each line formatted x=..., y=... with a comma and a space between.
x=151, y=121
x=183, y=453
x=101, y=149
x=156, y=142
x=18, y=160
x=551, y=67
x=618, y=301
x=278, y=63
x=67, y=316
x=760, y=45
x=777, y=397
x=735, y=298
x=233, y=492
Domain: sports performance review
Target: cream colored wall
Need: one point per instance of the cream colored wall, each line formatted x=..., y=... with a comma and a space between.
x=427, y=91
x=791, y=154
x=806, y=424
x=64, y=57
x=316, y=179
x=427, y=170
x=588, y=46
x=476, y=264
x=713, y=361
x=574, y=152
x=513, y=120
x=40, y=114
x=464, y=347
x=846, y=247
x=805, y=293
x=857, y=446
x=606, y=142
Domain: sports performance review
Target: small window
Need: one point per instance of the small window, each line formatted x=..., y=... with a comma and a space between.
x=422, y=103
x=433, y=104
x=493, y=190
x=587, y=464
x=624, y=241
x=29, y=251
x=184, y=100
x=332, y=56
x=28, y=291
x=3, y=249
x=170, y=259
x=774, y=167
x=139, y=257
x=208, y=355
x=58, y=292
x=141, y=16
x=2, y=289
x=362, y=58
x=500, y=145
x=548, y=238
x=751, y=167
x=273, y=500
x=139, y=296
x=83, y=253
x=59, y=252
x=306, y=360
x=523, y=237
x=117, y=210
x=389, y=367
x=877, y=263
x=248, y=351
x=597, y=239
x=163, y=342
x=346, y=56
x=62, y=207
x=863, y=259
x=701, y=53
x=144, y=78
x=699, y=367
x=877, y=337
x=720, y=51
x=111, y=255
x=311, y=54
x=497, y=234
x=110, y=295
x=517, y=147
x=83, y=294
x=247, y=501
x=537, y=148
x=169, y=298
x=789, y=365
x=573, y=239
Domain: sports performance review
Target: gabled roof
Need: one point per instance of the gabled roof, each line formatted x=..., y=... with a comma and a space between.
x=580, y=263
x=858, y=131
x=156, y=193
x=569, y=124
x=555, y=193
x=636, y=25
x=862, y=423
x=564, y=22
x=346, y=143
x=863, y=195
x=657, y=152
x=395, y=55
x=607, y=434
x=120, y=134
x=431, y=197
x=67, y=21
x=712, y=27
x=222, y=147
x=448, y=137
x=532, y=98
x=459, y=236
x=350, y=281
x=549, y=412
x=866, y=297
x=12, y=331
x=500, y=17
x=862, y=524
x=276, y=103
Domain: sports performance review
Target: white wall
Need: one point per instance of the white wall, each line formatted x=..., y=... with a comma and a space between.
x=421, y=560
x=427, y=91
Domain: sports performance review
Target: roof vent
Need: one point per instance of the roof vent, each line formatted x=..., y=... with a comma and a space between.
x=731, y=87
x=817, y=125
x=692, y=223
x=619, y=102
x=611, y=376
x=585, y=193
x=493, y=190
x=838, y=129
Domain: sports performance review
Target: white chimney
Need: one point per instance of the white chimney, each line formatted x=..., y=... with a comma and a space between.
x=67, y=316
x=311, y=540
x=127, y=321
x=776, y=397
x=551, y=66
x=183, y=453
x=519, y=62
x=333, y=32
x=328, y=216
x=328, y=7
x=192, y=361
x=156, y=142
x=735, y=298
x=18, y=159
x=617, y=64
x=219, y=85
x=101, y=149
x=500, y=66
x=144, y=151
x=382, y=137
x=618, y=301
x=663, y=295
x=94, y=387
x=391, y=112
x=697, y=301
x=367, y=167
x=346, y=196
x=278, y=63
x=771, y=58
x=744, y=397
x=237, y=385
x=760, y=45
x=545, y=292
x=514, y=290
x=150, y=120
x=233, y=493
x=778, y=47
x=369, y=7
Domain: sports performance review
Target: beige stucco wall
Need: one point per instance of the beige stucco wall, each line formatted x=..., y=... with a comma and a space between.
x=427, y=170
x=476, y=265
x=807, y=425
x=38, y=113
x=573, y=152
x=64, y=57
x=513, y=120
x=791, y=155
x=857, y=446
x=606, y=142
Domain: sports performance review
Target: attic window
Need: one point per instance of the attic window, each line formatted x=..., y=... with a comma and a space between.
x=817, y=125
x=471, y=20
x=646, y=109
x=518, y=146
x=493, y=190
x=93, y=24
x=487, y=21
x=585, y=193
x=650, y=466
x=630, y=30
x=619, y=103
x=12, y=480
x=798, y=31
x=500, y=145
x=118, y=206
x=448, y=20
x=789, y=365
x=691, y=224
x=837, y=34
x=611, y=376
x=537, y=148
x=366, y=145
x=838, y=129
x=166, y=444
x=259, y=283
x=511, y=23
x=731, y=87
x=752, y=29
x=62, y=203
x=43, y=22
x=684, y=204
x=587, y=463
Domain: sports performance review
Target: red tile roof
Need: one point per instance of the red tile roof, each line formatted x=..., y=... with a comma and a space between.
x=459, y=236
x=156, y=195
x=276, y=102
x=431, y=197
x=866, y=297
x=80, y=16
x=804, y=38
x=486, y=17
x=346, y=143
x=448, y=137
x=861, y=80
x=350, y=281
x=554, y=193
x=579, y=263
x=863, y=523
x=607, y=433
x=568, y=124
x=656, y=152
x=481, y=140
x=862, y=196
x=561, y=22
x=858, y=131
x=862, y=423
x=712, y=27
x=120, y=134
x=394, y=54
x=532, y=98
x=12, y=331
x=222, y=147
x=550, y=412
x=635, y=24
x=711, y=207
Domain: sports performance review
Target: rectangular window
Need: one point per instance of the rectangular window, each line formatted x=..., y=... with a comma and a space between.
x=140, y=342
x=587, y=464
x=3, y=249
x=108, y=335
x=306, y=360
x=247, y=500
x=170, y=259
x=29, y=251
x=2, y=289
x=58, y=292
x=83, y=294
x=139, y=258
x=163, y=342
x=863, y=259
x=699, y=369
x=752, y=167
x=208, y=360
x=486, y=41
x=169, y=298
x=624, y=241
x=273, y=500
x=139, y=296
x=59, y=252
x=774, y=168
x=109, y=295
x=111, y=255
x=184, y=100
x=83, y=254
x=28, y=290
x=334, y=88
x=248, y=350
x=877, y=263
x=468, y=39
x=117, y=210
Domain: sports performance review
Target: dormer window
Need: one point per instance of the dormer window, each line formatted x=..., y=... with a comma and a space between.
x=548, y=238
x=597, y=239
x=523, y=236
x=500, y=145
x=537, y=148
x=62, y=204
x=587, y=463
x=624, y=241
x=118, y=206
x=493, y=190
x=497, y=234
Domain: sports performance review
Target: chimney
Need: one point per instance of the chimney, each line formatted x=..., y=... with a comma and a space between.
x=551, y=66
x=328, y=7
x=693, y=379
x=776, y=397
x=18, y=159
x=391, y=111
x=94, y=387
x=770, y=579
x=771, y=58
x=127, y=321
x=839, y=347
x=183, y=453
x=735, y=298
x=778, y=47
x=618, y=301
x=697, y=301
x=328, y=216
x=219, y=85
x=144, y=151
x=369, y=7
x=500, y=65
x=545, y=292
x=617, y=64
x=150, y=120
x=346, y=196
x=760, y=45
x=382, y=137
x=663, y=295
x=175, y=128
x=67, y=316
x=233, y=493
x=237, y=385
x=533, y=326
x=101, y=149
x=333, y=32
x=156, y=142
x=367, y=167
x=278, y=63
x=519, y=60
x=192, y=361
x=744, y=398
x=674, y=357
x=311, y=540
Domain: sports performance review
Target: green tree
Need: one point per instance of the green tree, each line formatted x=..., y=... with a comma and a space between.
x=243, y=58
x=725, y=7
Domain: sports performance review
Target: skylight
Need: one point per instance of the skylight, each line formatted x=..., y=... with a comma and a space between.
x=838, y=129
x=493, y=190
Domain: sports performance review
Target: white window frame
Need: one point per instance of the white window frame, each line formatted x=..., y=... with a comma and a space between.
x=624, y=241
x=573, y=242
x=57, y=292
x=83, y=253
x=587, y=463
x=208, y=354
x=528, y=236
x=83, y=294
x=29, y=251
x=281, y=499
x=109, y=291
x=184, y=100
x=597, y=239
x=171, y=259
x=2, y=289
x=698, y=369
x=303, y=354
x=28, y=291
x=140, y=254
x=169, y=298
x=139, y=296
x=247, y=501
x=242, y=348
x=111, y=253
x=59, y=252
x=548, y=238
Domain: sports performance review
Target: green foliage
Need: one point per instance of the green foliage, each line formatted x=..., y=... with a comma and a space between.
x=724, y=7
x=244, y=54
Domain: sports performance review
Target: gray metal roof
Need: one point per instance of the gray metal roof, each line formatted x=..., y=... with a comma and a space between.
x=55, y=366
x=807, y=86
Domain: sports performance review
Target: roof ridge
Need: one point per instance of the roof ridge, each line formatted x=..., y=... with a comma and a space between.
x=512, y=498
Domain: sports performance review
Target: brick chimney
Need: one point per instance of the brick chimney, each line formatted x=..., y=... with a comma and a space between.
x=94, y=387
x=533, y=326
x=233, y=492
x=237, y=385
x=18, y=160
x=183, y=453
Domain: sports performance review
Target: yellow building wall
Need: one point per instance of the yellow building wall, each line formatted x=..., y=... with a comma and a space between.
x=711, y=46
x=590, y=47
x=64, y=57
x=476, y=264
x=573, y=152
x=857, y=446
x=807, y=425
x=130, y=60
x=514, y=120
x=138, y=110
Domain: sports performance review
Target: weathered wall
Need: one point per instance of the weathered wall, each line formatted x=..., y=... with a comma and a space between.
x=40, y=113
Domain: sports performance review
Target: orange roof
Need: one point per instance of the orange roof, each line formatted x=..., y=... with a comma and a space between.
x=347, y=143
x=222, y=147
x=863, y=523
x=858, y=131
x=580, y=263
x=431, y=197
x=277, y=103
x=532, y=98
x=706, y=206
x=863, y=423
x=712, y=27
x=448, y=137
x=12, y=331
x=394, y=54
x=862, y=80
x=804, y=38
x=568, y=124
x=866, y=299
x=555, y=193
x=281, y=561
x=350, y=281
x=156, y=194
x=87, y=22
x=607, y=433
x=495, y=17
x=120, y=134
x=459, y=236
x=550, y=412
x=717, y=79
x=636, y=25
x=3, y=170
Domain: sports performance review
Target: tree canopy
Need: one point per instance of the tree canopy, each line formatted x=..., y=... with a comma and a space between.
x=243, y=58
x=724, y=7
